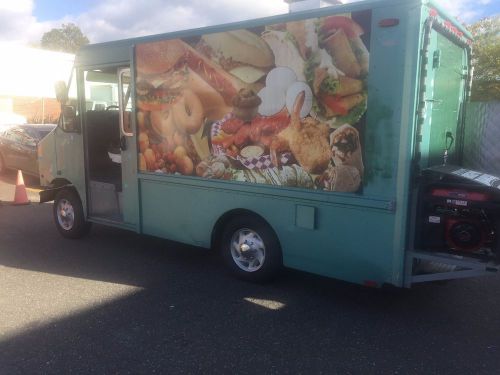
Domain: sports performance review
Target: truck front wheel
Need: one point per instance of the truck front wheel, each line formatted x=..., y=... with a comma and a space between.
x=251, y=249
x=68, y=215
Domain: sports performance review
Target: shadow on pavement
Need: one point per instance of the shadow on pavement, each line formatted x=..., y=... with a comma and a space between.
x=191, y=317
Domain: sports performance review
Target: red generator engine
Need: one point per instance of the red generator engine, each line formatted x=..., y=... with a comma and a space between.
x=459, y=218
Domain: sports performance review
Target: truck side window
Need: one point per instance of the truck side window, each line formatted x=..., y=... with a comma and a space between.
x=102, y=124
x=101, y=90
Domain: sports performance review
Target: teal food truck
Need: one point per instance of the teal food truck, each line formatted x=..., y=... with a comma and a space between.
x=328, y=141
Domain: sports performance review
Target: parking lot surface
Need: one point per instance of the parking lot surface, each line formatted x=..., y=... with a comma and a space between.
x=117, y=302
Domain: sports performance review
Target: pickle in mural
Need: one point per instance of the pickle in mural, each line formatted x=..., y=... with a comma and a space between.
x=282, y=104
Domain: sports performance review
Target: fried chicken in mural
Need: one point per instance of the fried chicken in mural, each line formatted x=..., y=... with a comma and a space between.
x=307, y=139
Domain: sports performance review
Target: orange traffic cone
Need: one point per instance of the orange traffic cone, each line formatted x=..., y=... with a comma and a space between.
x=20, y=197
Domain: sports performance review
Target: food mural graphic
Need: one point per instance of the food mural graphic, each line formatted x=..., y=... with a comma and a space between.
x=282, y=104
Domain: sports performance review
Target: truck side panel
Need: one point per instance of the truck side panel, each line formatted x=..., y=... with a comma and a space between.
x=331, y=239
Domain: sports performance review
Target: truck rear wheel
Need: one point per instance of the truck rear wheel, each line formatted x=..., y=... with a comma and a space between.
x=68, y=215
x=251, y=249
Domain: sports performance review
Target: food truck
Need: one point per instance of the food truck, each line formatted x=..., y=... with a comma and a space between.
x=328, y=141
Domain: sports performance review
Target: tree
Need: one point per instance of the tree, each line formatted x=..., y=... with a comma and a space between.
x=69, y=38
x=486, y=59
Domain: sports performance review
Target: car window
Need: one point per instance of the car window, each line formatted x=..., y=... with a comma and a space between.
x=10, y=134
x=15, y=135
x=6, y=134
x=22, y=136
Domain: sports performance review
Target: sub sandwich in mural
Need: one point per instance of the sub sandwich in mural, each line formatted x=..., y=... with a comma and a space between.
x=282, y=104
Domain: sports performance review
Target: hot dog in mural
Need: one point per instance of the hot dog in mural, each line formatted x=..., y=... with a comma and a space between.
x=282, y=104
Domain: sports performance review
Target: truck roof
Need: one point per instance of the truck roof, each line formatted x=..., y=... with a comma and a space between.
x=115, y=52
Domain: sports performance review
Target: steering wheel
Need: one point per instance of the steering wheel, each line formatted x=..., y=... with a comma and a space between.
x=112, y=107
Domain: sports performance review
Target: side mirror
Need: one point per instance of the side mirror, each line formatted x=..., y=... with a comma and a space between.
x=61, y=92
x=69, y=120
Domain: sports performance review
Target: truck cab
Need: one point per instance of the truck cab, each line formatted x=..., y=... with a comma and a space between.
x=91, y=149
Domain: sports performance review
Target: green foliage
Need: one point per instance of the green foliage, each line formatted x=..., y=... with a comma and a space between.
x=486, y=59
x=69, y=38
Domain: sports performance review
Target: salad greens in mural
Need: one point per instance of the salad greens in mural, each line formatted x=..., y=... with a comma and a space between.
x=282, y=104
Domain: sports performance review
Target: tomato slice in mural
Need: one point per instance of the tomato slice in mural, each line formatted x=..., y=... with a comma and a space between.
x=335, y=104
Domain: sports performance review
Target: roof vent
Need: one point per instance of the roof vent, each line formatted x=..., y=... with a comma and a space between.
x=298, y=5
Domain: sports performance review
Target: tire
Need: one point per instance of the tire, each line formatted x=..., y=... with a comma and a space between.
x=68, y=215
x=251, y=249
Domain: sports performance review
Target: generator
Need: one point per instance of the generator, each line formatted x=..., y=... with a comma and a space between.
x=458, y=215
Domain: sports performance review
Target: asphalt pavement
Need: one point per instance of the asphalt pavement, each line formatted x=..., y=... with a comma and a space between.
x=117, y=302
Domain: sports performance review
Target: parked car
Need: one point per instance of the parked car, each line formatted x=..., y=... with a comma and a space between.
x=18, y=147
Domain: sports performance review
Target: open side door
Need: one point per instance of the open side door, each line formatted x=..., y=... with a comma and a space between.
x=110, y=146
x=128, y=147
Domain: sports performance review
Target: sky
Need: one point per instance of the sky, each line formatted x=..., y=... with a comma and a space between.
x=25, y=21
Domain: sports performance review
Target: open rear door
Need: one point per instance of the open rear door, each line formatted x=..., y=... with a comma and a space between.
x=444, y=97
x=438, y=217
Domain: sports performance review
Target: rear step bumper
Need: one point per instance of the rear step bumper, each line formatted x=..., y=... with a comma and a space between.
x=422, y=266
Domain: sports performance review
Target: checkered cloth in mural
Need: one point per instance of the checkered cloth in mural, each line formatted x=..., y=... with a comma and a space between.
x=261, y=162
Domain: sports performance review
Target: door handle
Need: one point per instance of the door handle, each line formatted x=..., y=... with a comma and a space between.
x=449, y=140
x=438, y=101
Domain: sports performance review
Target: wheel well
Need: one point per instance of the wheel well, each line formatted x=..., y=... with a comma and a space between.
x=59, y=182
x=227, y=217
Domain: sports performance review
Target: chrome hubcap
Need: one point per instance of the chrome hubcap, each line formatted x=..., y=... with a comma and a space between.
x=65, y=214
x=248, y=250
